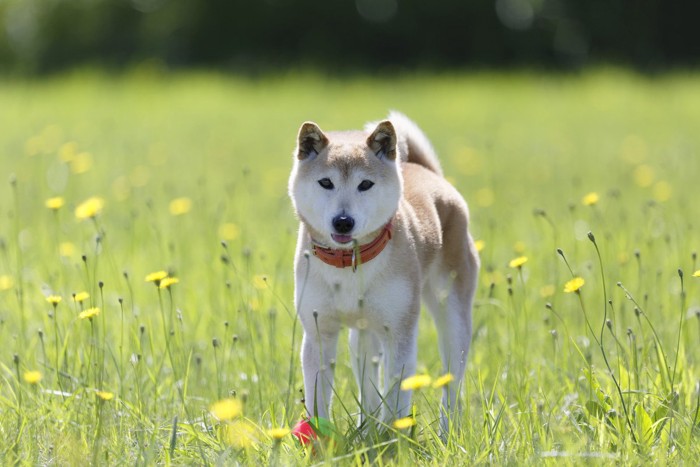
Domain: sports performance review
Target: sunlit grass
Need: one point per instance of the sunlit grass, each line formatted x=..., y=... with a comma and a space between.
x=146, y=246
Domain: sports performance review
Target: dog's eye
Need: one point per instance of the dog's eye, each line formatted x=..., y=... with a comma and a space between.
x=365, y=185
x=326, y=183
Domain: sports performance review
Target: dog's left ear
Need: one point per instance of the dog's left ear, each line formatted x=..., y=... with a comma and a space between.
x=383, y=140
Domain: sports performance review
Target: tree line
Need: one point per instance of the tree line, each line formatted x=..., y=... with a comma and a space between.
x=366, y=35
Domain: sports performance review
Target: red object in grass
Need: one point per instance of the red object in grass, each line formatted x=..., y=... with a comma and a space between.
x=304, y=432
x=308, y=430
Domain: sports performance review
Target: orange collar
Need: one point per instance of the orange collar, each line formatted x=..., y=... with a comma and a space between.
x=356, y=256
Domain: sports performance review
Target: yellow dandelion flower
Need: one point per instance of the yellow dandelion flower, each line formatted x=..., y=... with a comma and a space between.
x=81, y=296
x=574, y=285
x=229, y=231
x=226, y=409
x=66, y=249
x=479, y=245
x=156, y=276
x=54, y=299
x=32, y=377
x=90, y=208
x=68, y=151
x=517, y=262
x=644, y=176
x=415, y=382
x=519, y=247
x=591, y=199
x=242, y=434
x=104, y=395
x=443, y=380
x=81, y=163
x=696, y=273
x=260, y=281
x=403, y=423
x=547, y=291
x=6, y=282
x=168, y=281
x=278, y=433
x=180, y=206
x=89, y=313
x=55, y=203
x=662, y=191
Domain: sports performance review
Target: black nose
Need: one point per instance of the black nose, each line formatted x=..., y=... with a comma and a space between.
x=343, y=224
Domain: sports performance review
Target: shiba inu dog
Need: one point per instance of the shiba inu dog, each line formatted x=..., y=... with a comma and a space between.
x=380, y=230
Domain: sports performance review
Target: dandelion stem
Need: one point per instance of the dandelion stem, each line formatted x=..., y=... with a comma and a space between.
x=215, y=344
x=91, y=353
x=19, y=259
x=680, y=329
x=101, y=337
x=166, y=336
x=121, y=349
x=643, y=313
x=696, y=417
x=591, y=237
x=57, y=338
x=293, y=357
x=15, y=360
x=253, y=336
x=43, y=347
x=20, y=412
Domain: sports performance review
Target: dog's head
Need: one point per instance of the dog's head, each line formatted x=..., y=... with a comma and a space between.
x=345, y=185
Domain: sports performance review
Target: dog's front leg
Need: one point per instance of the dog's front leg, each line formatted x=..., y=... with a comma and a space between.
x=365, y=350
x=400, y=352
x=317, y=359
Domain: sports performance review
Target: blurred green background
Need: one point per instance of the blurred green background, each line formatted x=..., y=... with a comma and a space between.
x=182, y=115
x=340, y=35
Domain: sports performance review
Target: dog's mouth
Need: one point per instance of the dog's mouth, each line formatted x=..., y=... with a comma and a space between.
x=341, y=238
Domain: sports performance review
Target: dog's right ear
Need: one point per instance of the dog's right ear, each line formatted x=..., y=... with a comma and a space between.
x=310, y=141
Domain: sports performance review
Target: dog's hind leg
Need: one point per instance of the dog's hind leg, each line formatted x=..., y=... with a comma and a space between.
x=365, y=352
x=449, y=301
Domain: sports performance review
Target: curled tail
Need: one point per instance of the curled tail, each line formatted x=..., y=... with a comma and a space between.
x=413, y=144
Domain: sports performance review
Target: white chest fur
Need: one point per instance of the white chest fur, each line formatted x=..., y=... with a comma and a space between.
x=371, y=297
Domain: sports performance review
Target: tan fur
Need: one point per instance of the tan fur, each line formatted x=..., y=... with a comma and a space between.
x=431, y=256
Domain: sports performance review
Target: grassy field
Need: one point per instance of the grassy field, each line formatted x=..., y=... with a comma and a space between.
x=187, y=174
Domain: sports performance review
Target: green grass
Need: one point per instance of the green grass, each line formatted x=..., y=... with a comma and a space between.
x=524, y=149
